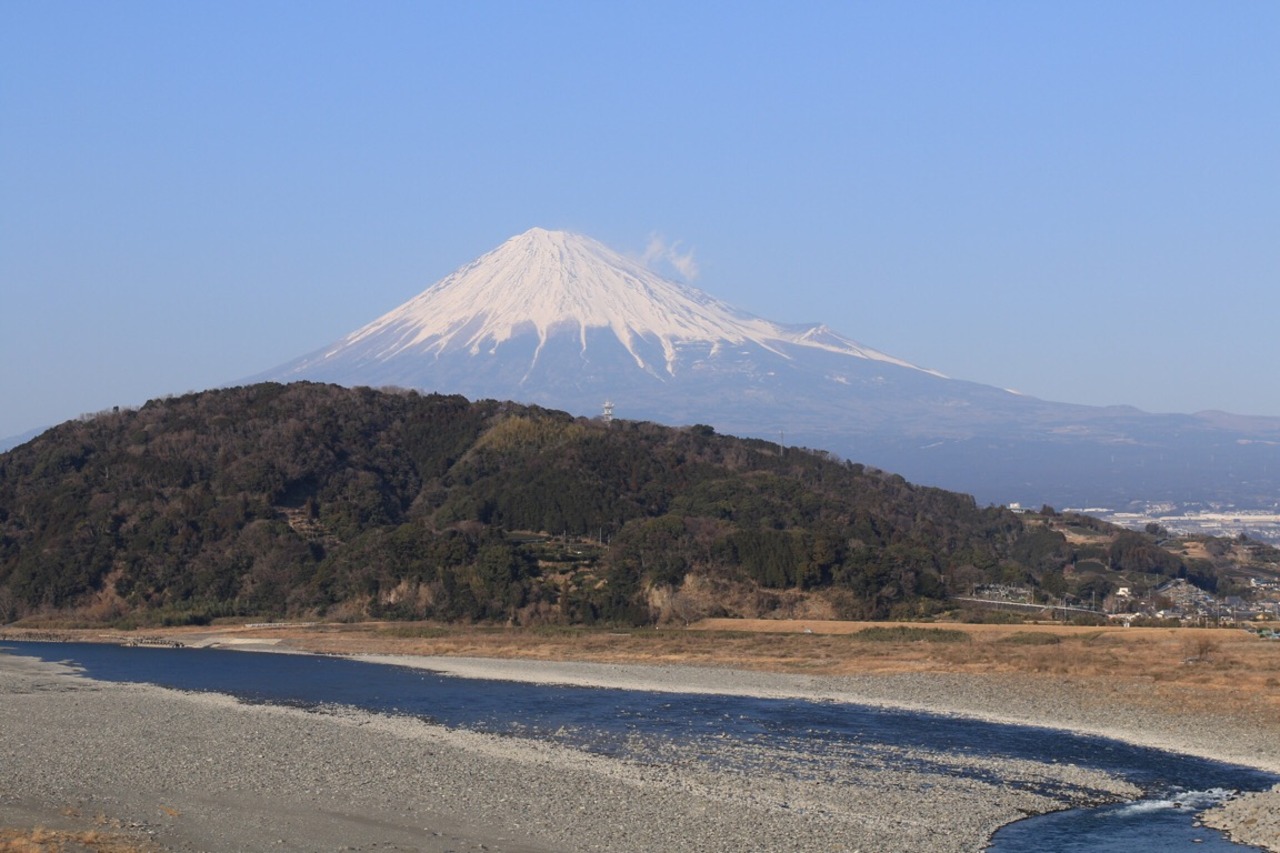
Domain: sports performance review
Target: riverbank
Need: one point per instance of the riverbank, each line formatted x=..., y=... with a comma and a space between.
x=203, y=772
x=508, y=783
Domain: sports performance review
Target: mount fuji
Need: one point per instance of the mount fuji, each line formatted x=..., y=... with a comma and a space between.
x=561, y=320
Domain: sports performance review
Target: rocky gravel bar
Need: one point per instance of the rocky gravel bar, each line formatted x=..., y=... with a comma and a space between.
x=202, y=772
x=1250, y=819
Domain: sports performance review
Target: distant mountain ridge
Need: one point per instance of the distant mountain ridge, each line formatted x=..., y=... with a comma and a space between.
x=561, y=320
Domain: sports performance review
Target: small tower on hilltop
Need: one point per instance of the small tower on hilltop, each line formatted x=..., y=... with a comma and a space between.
x=607, y=414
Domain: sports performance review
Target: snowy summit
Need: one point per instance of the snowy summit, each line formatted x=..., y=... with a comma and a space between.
x=561, y=320
x=549, y=283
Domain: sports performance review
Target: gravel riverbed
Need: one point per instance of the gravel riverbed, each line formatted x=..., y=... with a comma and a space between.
x=200, y=772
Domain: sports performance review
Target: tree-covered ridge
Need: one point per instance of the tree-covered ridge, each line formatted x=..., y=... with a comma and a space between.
x=319, y=500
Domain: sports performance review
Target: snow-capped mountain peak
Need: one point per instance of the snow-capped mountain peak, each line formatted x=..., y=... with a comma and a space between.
x=549, y=282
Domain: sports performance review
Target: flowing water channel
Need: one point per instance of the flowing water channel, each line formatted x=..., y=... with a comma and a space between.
x=802, y=736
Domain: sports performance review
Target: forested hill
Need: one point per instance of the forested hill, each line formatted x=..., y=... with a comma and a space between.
x=345, y=503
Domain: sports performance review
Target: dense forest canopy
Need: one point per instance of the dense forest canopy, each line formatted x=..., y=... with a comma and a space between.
x=319, y=500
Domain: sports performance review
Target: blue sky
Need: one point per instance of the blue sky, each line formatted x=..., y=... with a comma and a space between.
x=1077, y=200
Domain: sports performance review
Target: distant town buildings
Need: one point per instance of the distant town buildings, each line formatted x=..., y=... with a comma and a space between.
x=1260, y=524
x=1175, y=600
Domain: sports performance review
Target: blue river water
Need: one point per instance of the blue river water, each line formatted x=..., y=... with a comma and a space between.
x=652, y=726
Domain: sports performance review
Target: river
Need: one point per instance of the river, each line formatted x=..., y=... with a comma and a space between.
x=800, y=737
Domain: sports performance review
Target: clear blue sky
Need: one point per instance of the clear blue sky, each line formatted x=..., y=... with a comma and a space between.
x=1077, y=200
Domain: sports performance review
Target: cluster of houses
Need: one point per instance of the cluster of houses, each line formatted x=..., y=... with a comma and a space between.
x=1173, y=600
x=1186, y=602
